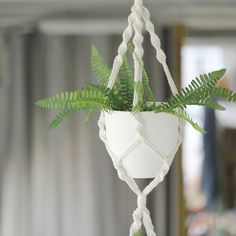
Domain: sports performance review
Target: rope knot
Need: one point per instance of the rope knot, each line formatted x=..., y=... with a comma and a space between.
x=138, y=2
x=118, y=165
x=161, y=56
x=142, y=201
x=122, y=174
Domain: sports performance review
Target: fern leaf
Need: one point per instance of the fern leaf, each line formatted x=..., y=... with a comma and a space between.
x=85, y=99
x=139, y=233
x=99, y=67
x=147, y=90
x=115, y=101
x=182, y=114
x=55, y=102
x=140, y=105
x=224, y=93
x=124, y=86
x=89, y=116
x=201, y=88
x=210, y=103
x=59, y=118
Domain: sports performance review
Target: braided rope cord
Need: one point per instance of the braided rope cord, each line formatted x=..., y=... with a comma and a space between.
x=137, y=20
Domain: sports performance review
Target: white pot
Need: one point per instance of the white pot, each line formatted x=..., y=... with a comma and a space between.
x=161, y=129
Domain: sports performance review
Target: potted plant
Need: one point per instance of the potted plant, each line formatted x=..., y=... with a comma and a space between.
x=160, y=120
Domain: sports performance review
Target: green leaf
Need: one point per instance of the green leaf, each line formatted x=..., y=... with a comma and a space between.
x=88, y=99
x=124, y=86
x=139, y=233
x=140, y=105
x=224, y=93
x=99, y=67
x=182, y=114
x=89, y=116
x=59, y=118
x=200, y=90
x=147, y=90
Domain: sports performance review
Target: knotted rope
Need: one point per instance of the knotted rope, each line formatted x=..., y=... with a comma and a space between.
x=138, y=19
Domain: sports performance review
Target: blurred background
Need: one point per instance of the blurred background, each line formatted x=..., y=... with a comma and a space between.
x=62, y=182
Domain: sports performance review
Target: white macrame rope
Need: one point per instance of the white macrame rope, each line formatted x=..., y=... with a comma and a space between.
x=137, y=20
x=127, y=34
x=160, y=55
x=138, y=48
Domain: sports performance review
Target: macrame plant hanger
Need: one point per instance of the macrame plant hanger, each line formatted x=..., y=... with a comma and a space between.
x=138, y=20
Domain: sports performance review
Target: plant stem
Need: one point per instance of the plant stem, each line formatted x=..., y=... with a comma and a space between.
x=139, y=233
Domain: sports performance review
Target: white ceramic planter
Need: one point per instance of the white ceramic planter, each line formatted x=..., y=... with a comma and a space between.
x=160, y=128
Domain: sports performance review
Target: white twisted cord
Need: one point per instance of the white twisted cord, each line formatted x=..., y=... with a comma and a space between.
x=142, y=214
x=147, y=222
x=160, y=55
x=137, y=224
x=138, y=48
x=127, y=34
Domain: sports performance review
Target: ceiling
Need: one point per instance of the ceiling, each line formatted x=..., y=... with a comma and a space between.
x=200, y=14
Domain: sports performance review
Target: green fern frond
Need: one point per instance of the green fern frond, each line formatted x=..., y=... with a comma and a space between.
x=202, y=91
x=138, y=86
x=85, y=99
x=224, y=93
x=112, y=95
x=210, y=103
x=147, y=90
x=99, y=67
x=58, y=101
x=60, y=117
x=125, y=85
x=139, y=233
x=89, y=116
x=199, y=90
x=182, y=114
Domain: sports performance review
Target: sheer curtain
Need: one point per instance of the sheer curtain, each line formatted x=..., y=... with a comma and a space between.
x=62, y=182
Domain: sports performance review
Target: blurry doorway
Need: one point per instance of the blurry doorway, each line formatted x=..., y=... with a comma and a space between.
x=206, y=176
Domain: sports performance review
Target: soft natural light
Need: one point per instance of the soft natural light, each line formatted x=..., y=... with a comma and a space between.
x=196, y=59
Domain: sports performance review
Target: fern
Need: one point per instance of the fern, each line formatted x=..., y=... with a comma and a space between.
x=224, y=93
x=210, y=103
x=140, y=106
x=147, y=90
x=89, y=116
x=85, y=99
x=116, y=101
x=139, y=233
x=125, y=86
x=59, y=118
x=197, y=93
x=202, y=91
x=99, y=67
x=182, y=114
